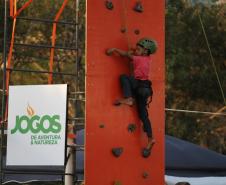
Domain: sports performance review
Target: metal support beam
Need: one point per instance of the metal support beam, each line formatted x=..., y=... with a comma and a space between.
x=3, y=89
x=45, y=72
x=46, y=21
x=45, y=46
x=71, y=161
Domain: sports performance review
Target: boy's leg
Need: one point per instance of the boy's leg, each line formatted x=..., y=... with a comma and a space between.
x=143, y=115
x=127, y=83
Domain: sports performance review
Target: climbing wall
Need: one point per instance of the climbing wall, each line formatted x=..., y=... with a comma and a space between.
x=107, y=125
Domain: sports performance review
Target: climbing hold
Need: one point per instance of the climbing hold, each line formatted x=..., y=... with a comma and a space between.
x=146, y=152
x=123, y=30
x=101, y=125
x=117, y=183
x=109, y=5
x=117, y=151
x=138, y=7
x=132, y=127
x=145, y=175
x=137, y=32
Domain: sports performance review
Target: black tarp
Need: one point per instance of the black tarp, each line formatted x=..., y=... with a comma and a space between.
x=183, y=159
x=189, y=160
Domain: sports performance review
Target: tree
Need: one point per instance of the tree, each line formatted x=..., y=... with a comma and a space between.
x=191, y=80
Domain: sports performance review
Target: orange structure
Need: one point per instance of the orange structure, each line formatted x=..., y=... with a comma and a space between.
x=14, y=13
x=50, y=77
x=107, y=125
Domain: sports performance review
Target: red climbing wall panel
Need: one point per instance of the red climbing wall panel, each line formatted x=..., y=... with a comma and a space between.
x=106, y=125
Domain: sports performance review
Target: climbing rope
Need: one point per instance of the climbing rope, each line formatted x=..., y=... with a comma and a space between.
x=195, y=112
x=212, y=59
x=11, y=8
x=124, y=28
x=22, y=8
x=219, y=111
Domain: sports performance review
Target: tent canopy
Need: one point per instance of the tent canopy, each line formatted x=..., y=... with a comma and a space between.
x=183, y=159
x=186, y=159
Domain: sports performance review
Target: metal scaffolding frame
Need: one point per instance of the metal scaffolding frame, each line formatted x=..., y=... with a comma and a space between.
x=78, y=120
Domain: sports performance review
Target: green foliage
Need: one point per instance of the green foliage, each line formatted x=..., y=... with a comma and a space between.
x=191, y=80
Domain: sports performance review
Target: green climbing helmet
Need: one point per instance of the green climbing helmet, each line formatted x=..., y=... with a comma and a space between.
x=148, y=44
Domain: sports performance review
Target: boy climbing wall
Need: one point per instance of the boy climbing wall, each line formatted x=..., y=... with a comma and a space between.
x=137, y=87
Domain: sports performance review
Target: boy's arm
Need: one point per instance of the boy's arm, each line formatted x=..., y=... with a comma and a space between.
x=122, y=53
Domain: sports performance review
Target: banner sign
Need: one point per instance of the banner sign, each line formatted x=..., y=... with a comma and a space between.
x=36, y=125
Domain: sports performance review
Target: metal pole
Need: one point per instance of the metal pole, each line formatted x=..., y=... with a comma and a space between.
x=69, y=180
x=3, y=88
x=76, y=43
x=77, y=72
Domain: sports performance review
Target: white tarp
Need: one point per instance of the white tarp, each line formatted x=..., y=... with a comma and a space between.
x=36, y=125
x=171, y=180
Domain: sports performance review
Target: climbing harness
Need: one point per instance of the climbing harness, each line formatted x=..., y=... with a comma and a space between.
x=145, y=90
